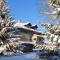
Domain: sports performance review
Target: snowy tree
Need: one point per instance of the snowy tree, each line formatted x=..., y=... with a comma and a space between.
x=52, y=10
x=5, y=20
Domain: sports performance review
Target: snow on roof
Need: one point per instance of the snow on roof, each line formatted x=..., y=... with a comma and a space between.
x=19, y=24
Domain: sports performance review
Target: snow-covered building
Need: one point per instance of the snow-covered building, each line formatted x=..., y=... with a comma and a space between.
x=27, y=30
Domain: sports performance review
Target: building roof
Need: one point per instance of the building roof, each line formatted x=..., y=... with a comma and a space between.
x=27, y=27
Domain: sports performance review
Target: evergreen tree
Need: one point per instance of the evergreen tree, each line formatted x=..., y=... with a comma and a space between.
x=5, y=20
x=53, y=13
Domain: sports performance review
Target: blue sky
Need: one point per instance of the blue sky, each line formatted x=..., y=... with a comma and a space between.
x=26, y=10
